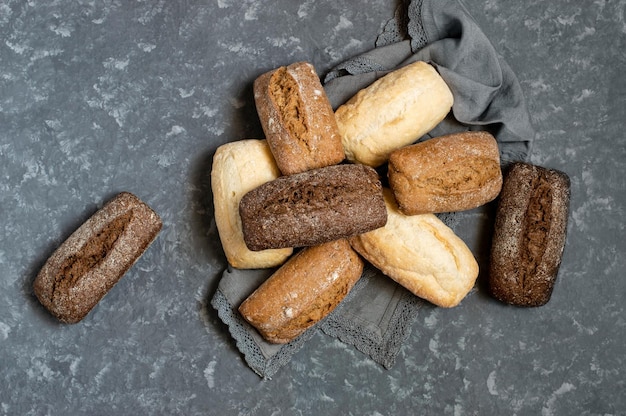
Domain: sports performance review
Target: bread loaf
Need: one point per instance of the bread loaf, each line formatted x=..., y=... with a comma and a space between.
x=303, y=291
x=297, y=118
x=450, y=173
x=239, y=167
x=313, y=207
x=95, y=257
x=529, y=234
x=422, y=254
x=394, y=111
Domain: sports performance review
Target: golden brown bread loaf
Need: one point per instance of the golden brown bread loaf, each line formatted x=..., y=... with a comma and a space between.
x=394, y=111
x=313, y=207
x=529, y=234
x=450, y=173
x=303, y=291
x=239, y=167
x=95, y=257
x=422, y=254
x=297, y=119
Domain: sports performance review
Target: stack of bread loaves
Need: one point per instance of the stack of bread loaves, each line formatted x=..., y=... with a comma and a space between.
x=291, y=191
x=294, y=202
x=308, y=200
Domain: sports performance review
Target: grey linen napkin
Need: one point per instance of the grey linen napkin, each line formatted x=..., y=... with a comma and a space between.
x=377, y=315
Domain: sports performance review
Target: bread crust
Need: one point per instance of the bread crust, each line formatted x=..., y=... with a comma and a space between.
x=303, y=291
x=422, y=254
x=95, y=257
x=450, y=173
x=297, y=119
x=394, y=111
x=313, y=207
x=529, y=234
x=238, y=167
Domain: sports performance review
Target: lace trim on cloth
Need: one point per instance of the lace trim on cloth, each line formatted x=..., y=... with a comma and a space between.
x=358, y=65
x=381, y=340
x=415, y=29
x=263, y=358
x=406, y=24
x=395, y=29
x=241, y=331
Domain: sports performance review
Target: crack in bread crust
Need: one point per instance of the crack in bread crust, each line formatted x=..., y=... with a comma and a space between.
x=92, y=253
x=534, y=238
x=284, y=92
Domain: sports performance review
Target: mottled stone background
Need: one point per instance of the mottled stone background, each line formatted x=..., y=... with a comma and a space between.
x=97, y=97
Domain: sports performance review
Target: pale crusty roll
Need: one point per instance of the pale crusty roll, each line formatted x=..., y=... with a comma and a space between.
x=297, y=119
x=450, y=173
x=422, y=254
x=83, y=269
x=303, y=291
x=239, y=167
x=392, y=112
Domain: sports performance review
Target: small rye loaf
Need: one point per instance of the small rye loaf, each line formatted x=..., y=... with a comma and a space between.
x=313, y=207
x=529, y=234
x=95, y=257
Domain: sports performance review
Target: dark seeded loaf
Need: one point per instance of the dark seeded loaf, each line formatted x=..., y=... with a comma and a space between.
x=313, y=207
x=529, y=235
x=95, y=257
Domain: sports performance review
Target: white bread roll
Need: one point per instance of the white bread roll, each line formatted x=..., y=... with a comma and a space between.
x=422, y=254
x=239, y=167
x=394, y=111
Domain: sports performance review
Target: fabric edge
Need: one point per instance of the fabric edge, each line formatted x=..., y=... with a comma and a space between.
x=225, y=313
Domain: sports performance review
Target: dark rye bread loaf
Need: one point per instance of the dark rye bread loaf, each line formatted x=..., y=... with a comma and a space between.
x=95, y=257
x=303, y=291
x=529, y=235
x=313, y=207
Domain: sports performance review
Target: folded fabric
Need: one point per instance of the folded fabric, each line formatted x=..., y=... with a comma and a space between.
x=487, y=94
x=377, y=315
x=262, y=357
x=373, y=317
x=376, y=319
